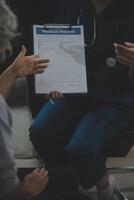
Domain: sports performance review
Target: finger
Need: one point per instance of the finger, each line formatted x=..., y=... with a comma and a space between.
x=57, y=95
x=129, y=56
x=38, y=71
x=124, y=49
x=50, y=94
x=124, y=61
x=36, y=56
x=115, y=45
x=42, y=171
x=22, y=52
x=41, y=66
x=128, y=44
x=39, y=61
x=53, y=95
x=36, y=171
x=45, y=175
x=124, y=58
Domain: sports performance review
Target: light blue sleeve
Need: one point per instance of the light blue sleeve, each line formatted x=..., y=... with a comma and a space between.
x=8, y=176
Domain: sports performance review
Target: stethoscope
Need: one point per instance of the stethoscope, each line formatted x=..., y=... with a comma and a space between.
x=109, y=61
x=94, y=30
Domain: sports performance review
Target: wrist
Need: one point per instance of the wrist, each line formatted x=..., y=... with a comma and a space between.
x=13, y=71
x=29, y=191
x=20, y=193
x=27, y=194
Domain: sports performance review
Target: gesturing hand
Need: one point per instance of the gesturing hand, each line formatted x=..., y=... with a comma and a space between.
x=125, y=53
x=28, y=65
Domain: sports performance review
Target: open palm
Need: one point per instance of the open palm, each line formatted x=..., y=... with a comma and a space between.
x=28, y=65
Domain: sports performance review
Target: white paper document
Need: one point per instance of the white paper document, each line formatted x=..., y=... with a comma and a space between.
x=64, y=47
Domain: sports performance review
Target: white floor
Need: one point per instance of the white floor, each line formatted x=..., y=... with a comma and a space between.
x=122, y=178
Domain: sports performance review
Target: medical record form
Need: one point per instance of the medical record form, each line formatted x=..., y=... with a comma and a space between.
x=64, y=47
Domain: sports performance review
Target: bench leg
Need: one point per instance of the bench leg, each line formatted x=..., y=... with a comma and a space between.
x=120, y=194
x=124, y=169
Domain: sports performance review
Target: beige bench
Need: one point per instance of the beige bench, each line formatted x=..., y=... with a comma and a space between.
x=25, y=154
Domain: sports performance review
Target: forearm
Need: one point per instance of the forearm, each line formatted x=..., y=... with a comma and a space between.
x=7, y=79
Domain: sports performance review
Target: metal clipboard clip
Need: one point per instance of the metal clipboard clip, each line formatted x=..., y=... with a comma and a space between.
x=62, y=26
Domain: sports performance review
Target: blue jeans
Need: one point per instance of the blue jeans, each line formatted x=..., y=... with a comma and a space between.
x=75, y=132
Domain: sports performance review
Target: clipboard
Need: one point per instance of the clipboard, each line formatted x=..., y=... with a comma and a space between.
x=63, y=26
x=63, y=45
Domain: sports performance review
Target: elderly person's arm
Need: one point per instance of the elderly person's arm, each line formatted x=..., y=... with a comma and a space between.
x=34, y=183
x=10, y=186
x=125, y=55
